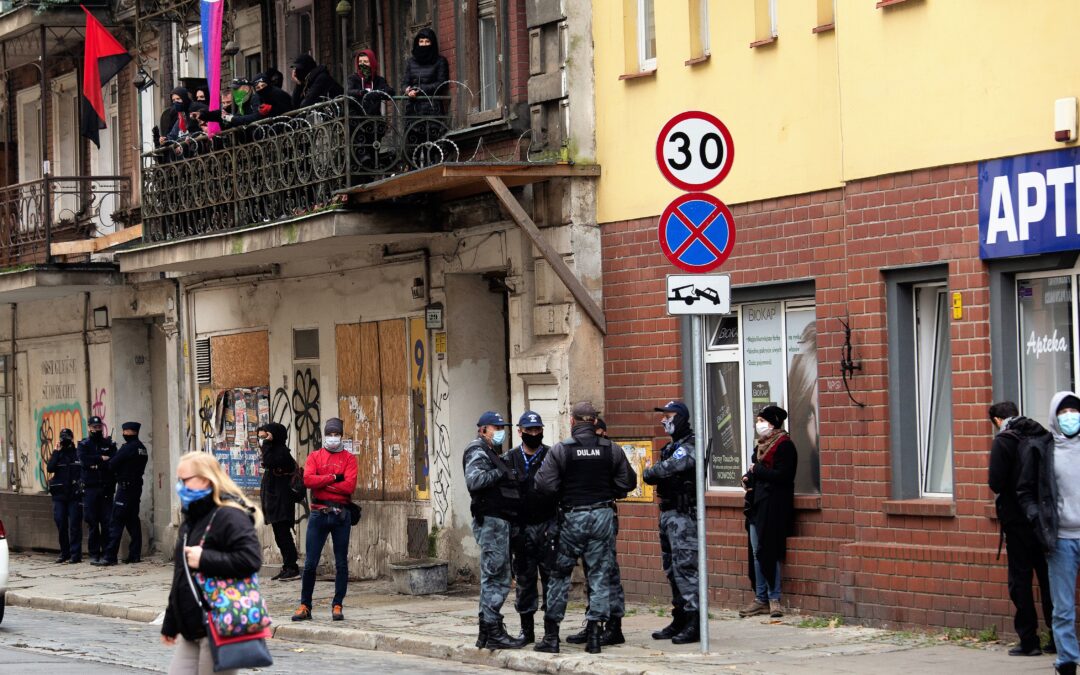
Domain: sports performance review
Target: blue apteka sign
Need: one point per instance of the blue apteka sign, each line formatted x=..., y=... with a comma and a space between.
x=1029, y=204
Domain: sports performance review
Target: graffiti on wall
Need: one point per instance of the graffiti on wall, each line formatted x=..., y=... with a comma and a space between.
x=305, y=408
x=440, y=413
x=233, y=419
x=98, y=408
x=48, y=422
x=418, y=392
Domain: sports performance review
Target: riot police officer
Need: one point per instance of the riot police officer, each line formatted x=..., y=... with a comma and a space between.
x=675, y=481
x=66, y=498
x=532, y=533
x=94, y=453
x=587, y=473
x=496, y=504
x=127, y=467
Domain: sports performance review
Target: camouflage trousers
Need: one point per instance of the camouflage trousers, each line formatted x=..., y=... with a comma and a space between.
x=616, y=597
x=493, y=538
x=679, y=549
x=589, y=535
x=527, y=546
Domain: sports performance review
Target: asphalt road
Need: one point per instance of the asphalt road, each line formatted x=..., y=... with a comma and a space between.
x=36, y=641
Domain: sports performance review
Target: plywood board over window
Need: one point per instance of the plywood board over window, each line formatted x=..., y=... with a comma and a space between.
x=374, y=399
x=240, y=360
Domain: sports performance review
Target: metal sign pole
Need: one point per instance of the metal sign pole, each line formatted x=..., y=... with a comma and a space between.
x=698, y=386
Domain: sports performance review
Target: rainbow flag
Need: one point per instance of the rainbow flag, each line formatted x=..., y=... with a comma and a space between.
x=210, y=12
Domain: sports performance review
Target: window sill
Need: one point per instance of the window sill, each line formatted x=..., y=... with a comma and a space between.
x=638, y=75
x=933, y=508
x=888, y=3
x=696, y=60
x=485, y=116
x=731, y=499
x=824, y=28
x=763, y=43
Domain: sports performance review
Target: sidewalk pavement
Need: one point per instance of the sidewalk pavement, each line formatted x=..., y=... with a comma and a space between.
x=444, y=627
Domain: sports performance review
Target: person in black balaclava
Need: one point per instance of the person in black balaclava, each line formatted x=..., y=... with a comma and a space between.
x=97, y=482
x=64, y=488
x=128, y=466
x=278, y=504
x=274, y=101
x=174, y=121
x=675, y=480
x=426, y=75
x=314, y=83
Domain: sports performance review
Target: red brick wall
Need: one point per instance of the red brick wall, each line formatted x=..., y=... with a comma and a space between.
x=848, y=556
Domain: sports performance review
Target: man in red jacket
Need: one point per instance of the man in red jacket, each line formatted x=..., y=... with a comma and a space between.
x=330, y=474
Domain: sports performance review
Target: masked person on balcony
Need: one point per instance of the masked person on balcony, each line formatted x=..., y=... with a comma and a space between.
x=369, y=90
x=314, y=83
x=426, y=75
x=174, y=123
x=273, y=100
x=242, y=107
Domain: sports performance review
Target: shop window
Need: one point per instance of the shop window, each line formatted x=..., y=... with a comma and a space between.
x=920, y=416
x=1045, y=316
x=763, y=353
x=646, y=34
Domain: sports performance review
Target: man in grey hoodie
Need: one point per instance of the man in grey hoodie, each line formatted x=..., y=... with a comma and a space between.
x=1049, y=495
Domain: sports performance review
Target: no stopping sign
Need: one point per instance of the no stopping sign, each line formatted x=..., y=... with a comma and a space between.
x=694, y=151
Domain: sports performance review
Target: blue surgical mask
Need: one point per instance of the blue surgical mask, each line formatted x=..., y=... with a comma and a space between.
x=499, y=436
x=1069, y=423
x=189, y=496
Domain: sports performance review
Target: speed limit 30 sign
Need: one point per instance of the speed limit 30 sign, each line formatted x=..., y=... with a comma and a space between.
x=694, y=151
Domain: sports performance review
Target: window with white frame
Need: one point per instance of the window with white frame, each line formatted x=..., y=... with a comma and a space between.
x=699, y=28
x=933, y=377
x=489, y=55
x=646, y=34
x=762, y=353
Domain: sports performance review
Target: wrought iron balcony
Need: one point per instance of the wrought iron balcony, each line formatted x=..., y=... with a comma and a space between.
x=36, y=214
x=286, y=166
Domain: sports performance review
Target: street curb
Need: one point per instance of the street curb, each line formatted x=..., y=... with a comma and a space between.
x=524, y=660
x=17, y=599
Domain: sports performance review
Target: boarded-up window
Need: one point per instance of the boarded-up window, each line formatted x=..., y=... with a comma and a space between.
x=374, y=401
x=240, y=360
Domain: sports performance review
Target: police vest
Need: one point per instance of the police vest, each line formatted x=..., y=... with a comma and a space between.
x=501, y=500
x=129, y=471
x=536, y=507
x=678, y=490
x=589, y=473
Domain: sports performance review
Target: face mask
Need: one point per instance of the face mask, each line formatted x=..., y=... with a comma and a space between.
x=533, y=441
x=130, y=437
x=189, y=496
x=669, y=425
x=1069, y=423
x=97, y=435
x=365, y=70
x=762, y=428
x=497, y=439
x=332, y=443
x=178, y=106
x=238, y=97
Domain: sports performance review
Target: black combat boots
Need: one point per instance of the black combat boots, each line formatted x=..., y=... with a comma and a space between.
x=594, y=630
x=691, y=631
x=612, y=634
x=497, y=637
x=580, y=637
x=672, y=629
x=528, y=631
x=481, y=639
x=550, y=643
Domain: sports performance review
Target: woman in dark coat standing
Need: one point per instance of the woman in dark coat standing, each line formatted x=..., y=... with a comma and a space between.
x=426, y=75
x=770, y=508
x=278, y=505
x=217, y=537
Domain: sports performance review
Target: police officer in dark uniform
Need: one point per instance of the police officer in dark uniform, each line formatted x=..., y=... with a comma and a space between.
x=587, y=473
x=535, y=527
x=676, y=484
x=66, y=498
x=94, y=453
x=127, y=466
x=496, y=505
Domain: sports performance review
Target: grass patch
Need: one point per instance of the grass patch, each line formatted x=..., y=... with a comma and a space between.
x=821, y=622
x=987, y=634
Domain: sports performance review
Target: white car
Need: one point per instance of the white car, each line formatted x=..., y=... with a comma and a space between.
x=3, y=568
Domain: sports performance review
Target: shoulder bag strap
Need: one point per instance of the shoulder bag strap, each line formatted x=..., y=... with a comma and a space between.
x=199, y=599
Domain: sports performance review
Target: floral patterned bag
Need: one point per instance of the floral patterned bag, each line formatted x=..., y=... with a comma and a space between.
x=236, y=606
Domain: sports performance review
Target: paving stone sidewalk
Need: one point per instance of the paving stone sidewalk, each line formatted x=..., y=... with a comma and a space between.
x=444, y=627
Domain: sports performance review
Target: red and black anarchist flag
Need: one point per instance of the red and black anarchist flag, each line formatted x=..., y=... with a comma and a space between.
x=103, y=59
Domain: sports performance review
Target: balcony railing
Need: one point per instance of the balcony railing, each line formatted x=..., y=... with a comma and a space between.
x=286, y=166
x=37, y=213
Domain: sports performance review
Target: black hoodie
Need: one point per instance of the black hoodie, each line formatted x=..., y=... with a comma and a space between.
x=316, y=83
x=427, y=71
x=278, y=466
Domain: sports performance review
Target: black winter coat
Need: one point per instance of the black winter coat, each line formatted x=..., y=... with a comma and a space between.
x=1036, y=491
x=231, y=550
x=430, y=79
x=66, y=472
x=318, y=86
x=366, y=92
x=771, y=504
x=1005, y=465
x=278, y=466
x=280, y=101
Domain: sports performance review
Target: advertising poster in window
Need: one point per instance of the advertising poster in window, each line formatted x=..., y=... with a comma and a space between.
x=725, y=456
x=230, y=419
x=803, y=396
x=763, y=349
x=1046, y=347
x=639, y=454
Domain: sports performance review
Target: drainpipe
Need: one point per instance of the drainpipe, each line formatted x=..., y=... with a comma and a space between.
x=15, y=484
x=86, y=348
x=47, y=201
